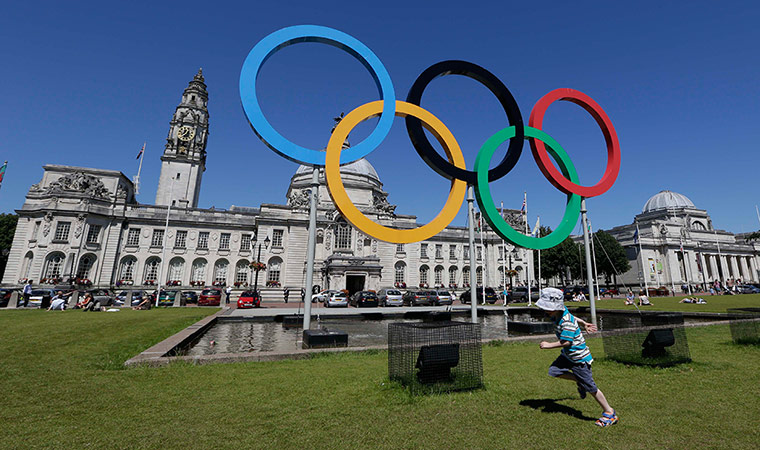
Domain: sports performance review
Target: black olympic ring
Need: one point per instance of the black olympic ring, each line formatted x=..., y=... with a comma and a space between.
x=422, y=144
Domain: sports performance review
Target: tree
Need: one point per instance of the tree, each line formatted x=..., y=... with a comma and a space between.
x=556, y=260
x=607, y=246
x=753, y=236
x=7, y=231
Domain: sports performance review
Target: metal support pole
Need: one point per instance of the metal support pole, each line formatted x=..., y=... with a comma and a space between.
x=587, y=245
x=314, y=197
x=473, y=290
x=163, y=243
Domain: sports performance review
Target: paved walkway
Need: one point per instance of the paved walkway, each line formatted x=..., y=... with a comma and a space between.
x=272, y=310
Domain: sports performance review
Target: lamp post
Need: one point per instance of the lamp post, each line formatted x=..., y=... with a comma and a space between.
x=258, y=260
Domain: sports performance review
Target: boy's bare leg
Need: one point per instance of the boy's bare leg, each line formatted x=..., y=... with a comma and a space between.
x=602, y=400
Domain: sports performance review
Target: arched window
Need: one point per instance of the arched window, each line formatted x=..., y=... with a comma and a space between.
x=85, y=266
x=220, y=271
x=176, y=269
x=342, y=236
x=273, y=269
x=466, y=276
x=26, y=269
x=502, y=276
x=453, y=275
x=127, y=269
x=54, y=265
x=479, y=276
x=699, y=226
x=424, y=274
x=400, y=272
x=151, y=270
x=438, y=275
x=241, y=272
x=198, y=274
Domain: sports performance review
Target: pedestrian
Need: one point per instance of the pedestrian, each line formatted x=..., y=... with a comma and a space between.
x=574, y=361
x=27, y=292
x=303, y=294
x=228, y=291
x=286, y=293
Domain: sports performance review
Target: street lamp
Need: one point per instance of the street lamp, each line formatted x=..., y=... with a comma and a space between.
x=258, y=262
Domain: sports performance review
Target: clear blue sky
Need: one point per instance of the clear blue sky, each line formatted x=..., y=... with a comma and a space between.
x=85, y=83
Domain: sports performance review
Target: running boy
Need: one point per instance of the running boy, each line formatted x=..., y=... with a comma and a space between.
x=574, y=362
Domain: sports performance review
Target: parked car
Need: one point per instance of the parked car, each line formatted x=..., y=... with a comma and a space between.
x=322, y=296
x=338, y=298
x=364, y=299
x=210, y=297
x=390, y=297
x=608, y=292
x=121, y=297
x=520, y=294
x=41, y=297
x=571, y=291
x=443, y=297
x=167, y=298
x=491, y=296
x=249, y=299
x=748, y=289
x=101, y=296
x=418, y=298
x=5, y=297
x=190, y=297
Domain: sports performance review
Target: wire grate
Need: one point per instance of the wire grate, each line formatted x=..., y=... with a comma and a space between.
x=651, y=339
x=745, y=325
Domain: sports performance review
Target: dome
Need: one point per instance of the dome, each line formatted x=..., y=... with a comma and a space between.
x=359, y=167
x=667, y=200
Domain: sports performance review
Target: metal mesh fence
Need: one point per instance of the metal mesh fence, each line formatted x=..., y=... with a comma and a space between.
x=651, y=339
x=435, y=357
x=745, y=325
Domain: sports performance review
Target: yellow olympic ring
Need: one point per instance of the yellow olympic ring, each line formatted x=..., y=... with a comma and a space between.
x=352, y=213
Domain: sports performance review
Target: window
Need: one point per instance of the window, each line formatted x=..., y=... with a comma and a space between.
x=224, y=241
x=181, y=240
x=177, y=177
x=203, y=240
x=54, y=266
x=36, y=231
x=93, y=234
x=438, y=275
x=452, y=275
x=343, y=236
x=241, y=272
x=273, y=269
x=424, y=274
x=245, y=242
x=480, y=252
x=466, y=250
x=479, y=276
x=423, y=250
x=158, y=238
x=438, y=251
x=277, y=238
x=176, y=269
x=220, y=271
x=399, y=248
x=62, y=231
x=452, y=251
x=127, y=271
x=85, y=266
x=27, y=265
x=151, y=270
x=133, y=237
x=400, y=272
x=466, y=275
x=501, y=252
x=199, y=271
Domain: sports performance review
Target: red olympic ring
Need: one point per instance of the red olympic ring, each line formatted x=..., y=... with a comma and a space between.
x=551, y=173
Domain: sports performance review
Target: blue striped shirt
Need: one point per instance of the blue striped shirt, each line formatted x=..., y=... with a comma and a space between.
x=567, y=329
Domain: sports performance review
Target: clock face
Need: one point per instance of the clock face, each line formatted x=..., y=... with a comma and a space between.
x=186, y=133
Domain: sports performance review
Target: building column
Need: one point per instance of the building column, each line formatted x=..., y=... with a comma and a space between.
x=746, y=274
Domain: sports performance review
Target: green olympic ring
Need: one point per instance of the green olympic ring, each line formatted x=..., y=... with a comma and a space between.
x=486, y=203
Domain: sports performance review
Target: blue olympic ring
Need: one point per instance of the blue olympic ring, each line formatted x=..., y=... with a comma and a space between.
x=323, y=35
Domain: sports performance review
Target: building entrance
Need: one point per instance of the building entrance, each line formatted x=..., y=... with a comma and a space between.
x=354, y=283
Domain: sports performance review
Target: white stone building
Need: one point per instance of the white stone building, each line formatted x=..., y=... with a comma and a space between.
x=85, y=224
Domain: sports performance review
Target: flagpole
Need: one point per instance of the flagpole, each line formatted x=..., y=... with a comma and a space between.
x=503, y=274
x=2, y=173
x=686, y=266
x=756, y=209
x=641, y=261
x=485, y=264
x=139, y=169
x=720, y=257
x=587, y=246
x=593, y=258
x=528, y=254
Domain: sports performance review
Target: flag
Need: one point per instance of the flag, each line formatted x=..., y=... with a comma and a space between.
x=2, y=171
x=525, y=203
x=636, y=236
x=478, y=221
x=535, y=229
x=141, y=151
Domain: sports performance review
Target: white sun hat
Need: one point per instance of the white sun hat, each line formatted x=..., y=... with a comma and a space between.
x=552, y=299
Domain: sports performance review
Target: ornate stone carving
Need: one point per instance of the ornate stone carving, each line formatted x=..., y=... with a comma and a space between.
x=380, y=202
x=79, y=182
x=374, y=246
x=79, y=228
x=299, y=198
x=48, y=223
x=663, y=230
x=121, y=191
x=328, y=240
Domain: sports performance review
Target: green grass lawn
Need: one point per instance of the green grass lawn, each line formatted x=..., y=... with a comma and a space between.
x=64, y=386
x=715, y=303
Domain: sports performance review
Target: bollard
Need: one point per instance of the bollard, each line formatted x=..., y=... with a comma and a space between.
x=13, y=302
x=178, y=301
x=73, y=299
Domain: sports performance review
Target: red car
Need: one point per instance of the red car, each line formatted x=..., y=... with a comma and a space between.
x=249, y=299
x=210, y=297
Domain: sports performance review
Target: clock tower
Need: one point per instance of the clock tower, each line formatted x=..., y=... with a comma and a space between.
x=184, y=158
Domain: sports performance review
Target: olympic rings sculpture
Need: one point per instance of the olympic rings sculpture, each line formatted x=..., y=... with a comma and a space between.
x=542, y=145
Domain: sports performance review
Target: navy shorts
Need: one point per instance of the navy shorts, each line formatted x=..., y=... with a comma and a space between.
x=581, y=371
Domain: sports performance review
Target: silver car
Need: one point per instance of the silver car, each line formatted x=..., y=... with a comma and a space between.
x=337, y=299
x=444, y=297
x=390, y=297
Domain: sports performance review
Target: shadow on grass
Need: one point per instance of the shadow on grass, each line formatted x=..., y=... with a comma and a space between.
x=551, y=405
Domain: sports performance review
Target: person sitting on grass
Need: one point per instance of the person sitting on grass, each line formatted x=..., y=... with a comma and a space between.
x=644, y=299
x=629, y=298
x=58, y=303
x=144, y=304
x=574, y=361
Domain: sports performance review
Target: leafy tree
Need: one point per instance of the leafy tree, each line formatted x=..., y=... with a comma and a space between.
x=753, y=236
x=556, y=260
x=617, y=261
x=7, y=230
